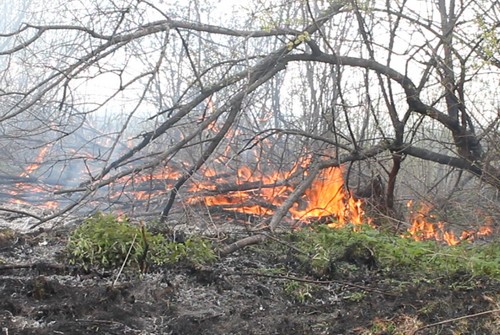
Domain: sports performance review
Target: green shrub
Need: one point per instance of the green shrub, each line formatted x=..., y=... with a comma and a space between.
x=104, y=241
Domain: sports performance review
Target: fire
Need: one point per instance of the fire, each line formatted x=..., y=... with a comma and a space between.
x=51, y=205
x=167, y=173
x=37, y=162
x=325, y=197
x=485, y=230
x=423, y=228
x=257, y=192
x=19, y=202
x=267, y=191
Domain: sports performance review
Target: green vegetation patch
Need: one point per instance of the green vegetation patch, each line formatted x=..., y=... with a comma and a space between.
x=106, y=241
x=298, y=291
x=329, y=251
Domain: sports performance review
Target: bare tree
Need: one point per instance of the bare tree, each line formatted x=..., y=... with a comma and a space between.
x=186, y=86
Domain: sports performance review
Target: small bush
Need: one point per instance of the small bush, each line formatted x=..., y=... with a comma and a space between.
x=104, y=241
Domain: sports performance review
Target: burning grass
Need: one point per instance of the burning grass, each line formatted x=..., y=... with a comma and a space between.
x=426, y=226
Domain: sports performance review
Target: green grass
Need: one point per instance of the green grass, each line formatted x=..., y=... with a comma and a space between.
x=353, y=247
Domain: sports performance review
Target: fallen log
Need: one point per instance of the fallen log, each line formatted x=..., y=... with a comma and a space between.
x=255, y=239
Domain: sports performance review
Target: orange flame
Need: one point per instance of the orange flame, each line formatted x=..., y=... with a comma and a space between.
x=325, y=197
x=37, y=162
x=422, y=228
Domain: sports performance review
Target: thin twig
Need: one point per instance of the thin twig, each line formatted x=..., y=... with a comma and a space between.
x=313, y=281
x=456, y=319
x=124, y=261
x=40, y=266
x=19, y=211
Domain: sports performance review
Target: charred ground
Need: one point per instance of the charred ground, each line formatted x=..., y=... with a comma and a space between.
x=275, y=287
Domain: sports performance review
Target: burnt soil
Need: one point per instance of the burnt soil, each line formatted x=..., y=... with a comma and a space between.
x=238, y=294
